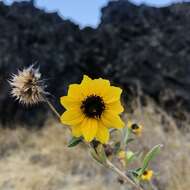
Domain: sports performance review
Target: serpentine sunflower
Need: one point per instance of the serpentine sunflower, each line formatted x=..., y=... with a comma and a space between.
x=147, y=175
x=135, y=128
x=92, y=108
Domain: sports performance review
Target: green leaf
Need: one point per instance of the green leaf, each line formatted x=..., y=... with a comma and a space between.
x=117, y=147
x=150, y=156
x=130, y=156
x=74, y=141
x=126, y=132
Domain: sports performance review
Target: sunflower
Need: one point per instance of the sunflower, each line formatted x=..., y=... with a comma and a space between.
x=92, y=108
x=147, y=175
x=135, y=128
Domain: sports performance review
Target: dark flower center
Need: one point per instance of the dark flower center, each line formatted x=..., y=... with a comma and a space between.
x=93, y=106
x=145, y=173
x=134, y=126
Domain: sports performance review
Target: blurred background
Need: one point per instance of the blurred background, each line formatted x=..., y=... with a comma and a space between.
x=141, y=46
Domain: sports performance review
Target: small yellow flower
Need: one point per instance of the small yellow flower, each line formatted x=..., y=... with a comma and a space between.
x=122, y=155
x=147, y=175
x=135, y=128
x=92, y=107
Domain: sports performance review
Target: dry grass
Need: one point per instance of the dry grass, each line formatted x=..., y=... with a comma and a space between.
x=40, y=160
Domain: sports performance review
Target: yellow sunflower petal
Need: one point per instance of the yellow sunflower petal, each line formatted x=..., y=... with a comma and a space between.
x=112, y=120
x=89, y=129
x=69, y=102
x=87, y=86
x=75, y=91
x=72, y=117
x=102, y=133
x=112, y=94
x=101, y=86
x=86, y=79
x=115, y=107
x=76, y=131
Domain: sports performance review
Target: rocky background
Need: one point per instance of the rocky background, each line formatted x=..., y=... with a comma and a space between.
x=136, y=47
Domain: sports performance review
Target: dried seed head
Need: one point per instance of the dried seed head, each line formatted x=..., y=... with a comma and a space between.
x=27, y=86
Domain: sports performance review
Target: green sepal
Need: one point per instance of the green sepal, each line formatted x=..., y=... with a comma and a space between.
x=101, y=153
x=74, y=141
x=135, y=175
x=95, y=156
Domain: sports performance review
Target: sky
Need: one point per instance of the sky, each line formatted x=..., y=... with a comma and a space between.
x=85, y=12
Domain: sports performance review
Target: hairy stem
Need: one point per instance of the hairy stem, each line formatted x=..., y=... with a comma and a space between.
x=52, y=107
x=122, y=175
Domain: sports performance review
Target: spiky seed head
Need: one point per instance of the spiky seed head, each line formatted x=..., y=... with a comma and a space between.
x=27, y=86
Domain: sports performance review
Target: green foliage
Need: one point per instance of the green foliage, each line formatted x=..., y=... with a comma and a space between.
x=126, y=134
x=74, y=141
x=101, y=153
x=95, y=155
x=150, y=156
x=117, y=146
x=130, y=156
x=98, y=154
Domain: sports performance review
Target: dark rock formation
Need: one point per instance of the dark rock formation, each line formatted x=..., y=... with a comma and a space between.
x=152, y=48
x=132, y=45
x=29, y=35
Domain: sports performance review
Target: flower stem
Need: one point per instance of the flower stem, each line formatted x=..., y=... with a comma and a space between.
x=52, y=107
x=122, y=175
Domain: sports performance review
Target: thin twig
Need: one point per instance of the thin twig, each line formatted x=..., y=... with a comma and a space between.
x=122, y=175
x=52, y=108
